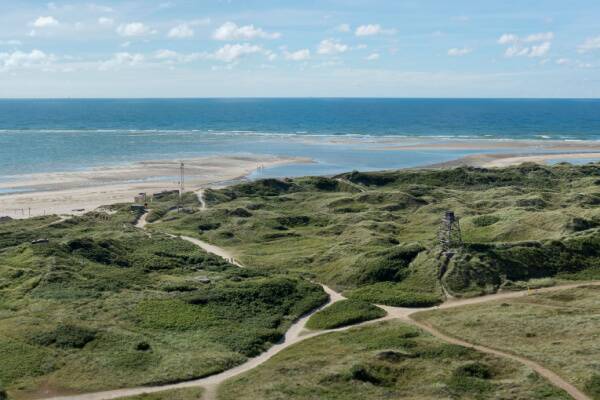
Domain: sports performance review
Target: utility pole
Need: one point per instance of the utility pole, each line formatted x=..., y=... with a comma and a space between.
x=181, y=182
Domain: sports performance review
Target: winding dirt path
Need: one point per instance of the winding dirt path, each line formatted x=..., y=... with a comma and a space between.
x=354, y=185
x=298, y=333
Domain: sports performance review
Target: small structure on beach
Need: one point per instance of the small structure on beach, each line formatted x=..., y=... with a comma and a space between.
x=449, y=235
x=140, y=198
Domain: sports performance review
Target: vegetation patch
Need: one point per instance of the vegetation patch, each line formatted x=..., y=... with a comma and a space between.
x=343, y=313
x=390, y=294
x=382, y=361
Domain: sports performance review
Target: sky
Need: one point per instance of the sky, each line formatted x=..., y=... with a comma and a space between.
x=301, y=48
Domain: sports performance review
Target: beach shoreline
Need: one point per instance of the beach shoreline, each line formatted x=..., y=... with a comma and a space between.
x=77, y=192
x=74, y=193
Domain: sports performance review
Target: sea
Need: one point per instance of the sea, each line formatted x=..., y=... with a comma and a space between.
x=338, y=134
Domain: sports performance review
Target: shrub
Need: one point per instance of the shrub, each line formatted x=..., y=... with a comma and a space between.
x=390, y=294
x=485, y=220
x=390, y=265
x=142, y=346
x=592, y=386
x=474, y=370
x=343, y=313
x=378, y=375
x=3, y=395
x=240, y=212
x=67, y=336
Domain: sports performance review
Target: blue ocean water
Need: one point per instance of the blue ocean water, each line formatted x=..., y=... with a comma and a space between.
x=63, y=135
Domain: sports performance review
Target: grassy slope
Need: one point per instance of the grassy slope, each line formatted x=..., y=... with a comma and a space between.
x=344, y=313
x=386, y=236
x=102, y=305
x=560, y=330
x=383, y=361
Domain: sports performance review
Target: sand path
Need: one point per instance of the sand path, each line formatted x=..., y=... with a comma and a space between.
x=354, y=185
x=298, y=333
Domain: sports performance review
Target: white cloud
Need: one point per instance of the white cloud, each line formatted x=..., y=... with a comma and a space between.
x=231, y=31
x=590, y=44
x=458, y=52
x=172, y=57
x=516, y=51
x=540, y=50
x=134, y=29
x=368, y=30
x=508, y=38
x=300, y=55
x=122, y=59
x=563, y=61
x=181, y=31
x=45, y=22
x=533, y=51
x=343, y=28
x=331, y=46
x=232, y=52
x=166, y=54
x=373, y=57
x=520, y=46
x=19, y=59
x=105, y=21
x=373, y=29
x=540, y=37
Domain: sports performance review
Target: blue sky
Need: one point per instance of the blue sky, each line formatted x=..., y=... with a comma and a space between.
x=325, y=48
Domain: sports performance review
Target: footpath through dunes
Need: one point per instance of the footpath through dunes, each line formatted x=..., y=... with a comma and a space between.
x=298, y=333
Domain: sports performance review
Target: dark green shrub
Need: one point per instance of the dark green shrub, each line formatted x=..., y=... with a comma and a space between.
x=67, y=336
x=387, y=266
x=292, y=221
x=474, y=370
x=240, y=212
x=592, y=386
x=142, y=346
x=207, y=226
x=3, y=395
x=375, y=374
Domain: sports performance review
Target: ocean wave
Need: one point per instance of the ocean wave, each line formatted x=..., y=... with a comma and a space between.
x=307, y=134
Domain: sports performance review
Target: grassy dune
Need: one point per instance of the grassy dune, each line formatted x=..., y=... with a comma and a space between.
x=519, y=223
x=344, y=313
x=560, y=330
x=102, y=305
x=384, y=361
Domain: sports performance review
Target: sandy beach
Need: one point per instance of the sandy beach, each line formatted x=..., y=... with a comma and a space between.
x=498, y=160
x=72, y=193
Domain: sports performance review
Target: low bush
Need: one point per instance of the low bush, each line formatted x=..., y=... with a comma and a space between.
x=343, y=313
x=474, y=370
x=66, y=336
x=390, y=294
x=378, y=375
x=485, y=220
x=592, y=386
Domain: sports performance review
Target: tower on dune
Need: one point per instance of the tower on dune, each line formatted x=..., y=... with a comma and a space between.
x=449, y=234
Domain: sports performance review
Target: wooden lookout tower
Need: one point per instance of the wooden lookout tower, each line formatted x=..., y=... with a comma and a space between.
x=449, y=235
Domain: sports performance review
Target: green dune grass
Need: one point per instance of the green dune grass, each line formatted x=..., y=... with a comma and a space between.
x=344, y=313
